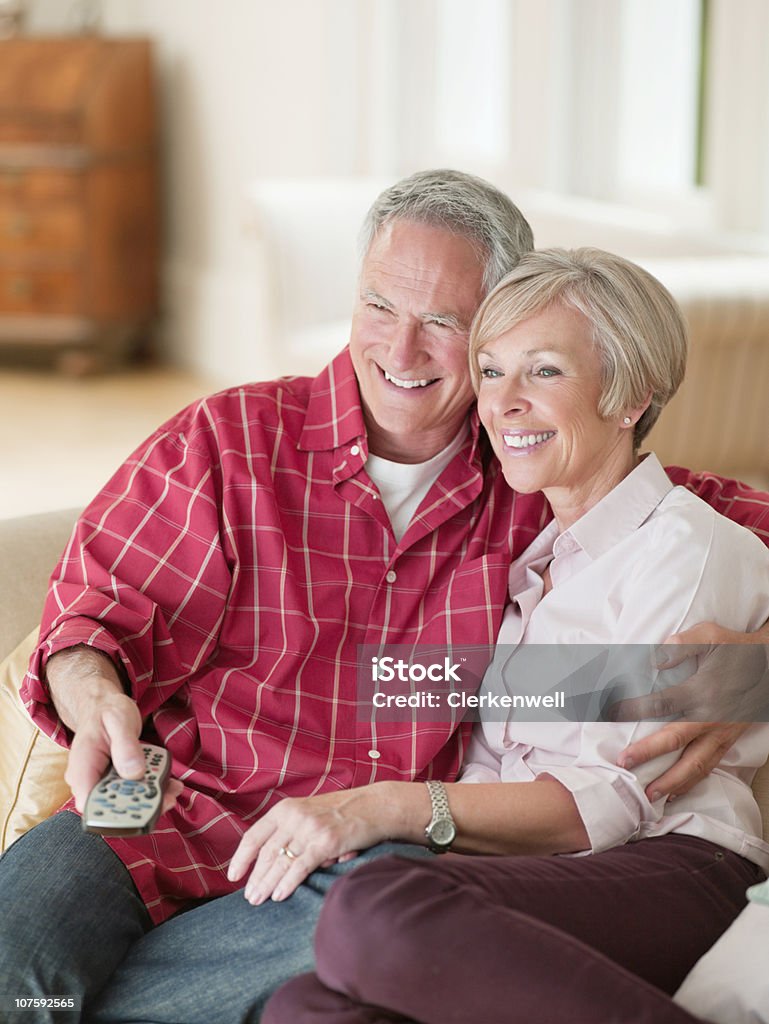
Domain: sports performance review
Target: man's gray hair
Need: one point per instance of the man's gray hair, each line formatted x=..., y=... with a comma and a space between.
x=459, y=203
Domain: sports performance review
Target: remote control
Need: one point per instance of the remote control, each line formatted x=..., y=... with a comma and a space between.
x=128, y=807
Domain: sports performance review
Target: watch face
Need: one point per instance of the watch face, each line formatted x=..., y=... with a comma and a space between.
x=443, y=832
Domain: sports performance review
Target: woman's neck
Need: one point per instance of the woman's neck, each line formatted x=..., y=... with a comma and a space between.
x=571, y=503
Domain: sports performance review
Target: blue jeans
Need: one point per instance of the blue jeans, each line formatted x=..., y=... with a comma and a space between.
x=73, y=924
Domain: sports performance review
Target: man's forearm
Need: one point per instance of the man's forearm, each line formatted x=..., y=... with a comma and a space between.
x=88, y=694
x=80, y=678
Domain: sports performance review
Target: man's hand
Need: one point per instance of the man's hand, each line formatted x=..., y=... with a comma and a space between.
x=106, y=723
x=730, y=685
x=704, y=745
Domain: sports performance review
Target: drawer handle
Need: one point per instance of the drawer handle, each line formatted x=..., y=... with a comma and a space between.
x=20, y=287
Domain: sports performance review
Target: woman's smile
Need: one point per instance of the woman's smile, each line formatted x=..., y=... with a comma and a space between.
x=525, y=442
x=541, y=383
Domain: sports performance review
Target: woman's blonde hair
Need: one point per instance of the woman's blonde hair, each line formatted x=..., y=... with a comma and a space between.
x=637, y=325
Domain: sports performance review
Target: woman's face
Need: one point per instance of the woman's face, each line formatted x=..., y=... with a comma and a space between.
x=538, y=400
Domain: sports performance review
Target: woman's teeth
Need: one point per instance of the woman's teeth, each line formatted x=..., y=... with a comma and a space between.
x=526, y=440
x=407, y=383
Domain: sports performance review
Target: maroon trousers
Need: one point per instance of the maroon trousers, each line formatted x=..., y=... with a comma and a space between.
x=603, y=939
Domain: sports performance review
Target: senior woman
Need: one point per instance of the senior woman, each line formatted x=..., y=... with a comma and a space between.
x=574, y=354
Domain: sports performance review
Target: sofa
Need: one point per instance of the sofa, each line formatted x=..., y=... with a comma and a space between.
x=31, y=765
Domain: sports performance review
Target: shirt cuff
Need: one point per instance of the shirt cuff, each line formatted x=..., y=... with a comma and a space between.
x=606, y=805
x=34, y=690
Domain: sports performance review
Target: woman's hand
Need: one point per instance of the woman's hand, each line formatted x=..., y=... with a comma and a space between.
x=296, y=836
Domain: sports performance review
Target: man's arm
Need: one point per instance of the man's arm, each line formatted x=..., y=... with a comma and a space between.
x=729, y=690
x=704, y=742
x=106, y=722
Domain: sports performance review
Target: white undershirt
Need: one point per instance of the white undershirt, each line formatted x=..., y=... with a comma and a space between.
x=403, y=485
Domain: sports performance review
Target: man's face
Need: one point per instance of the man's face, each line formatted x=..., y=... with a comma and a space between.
x=419, y=289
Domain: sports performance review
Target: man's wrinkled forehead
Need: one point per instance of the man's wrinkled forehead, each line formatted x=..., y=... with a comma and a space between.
x=445, y=268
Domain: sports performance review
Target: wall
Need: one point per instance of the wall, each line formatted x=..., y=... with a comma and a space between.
x=544, y=95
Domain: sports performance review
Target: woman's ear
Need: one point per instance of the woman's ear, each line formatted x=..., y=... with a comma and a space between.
x=630, y=417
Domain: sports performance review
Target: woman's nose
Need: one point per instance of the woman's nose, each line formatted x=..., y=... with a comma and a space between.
x=511, y=399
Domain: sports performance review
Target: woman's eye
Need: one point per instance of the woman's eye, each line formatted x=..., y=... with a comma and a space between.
x=547, y=371
x=489, y=371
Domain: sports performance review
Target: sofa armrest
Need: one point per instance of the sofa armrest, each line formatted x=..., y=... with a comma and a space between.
x=30, y=547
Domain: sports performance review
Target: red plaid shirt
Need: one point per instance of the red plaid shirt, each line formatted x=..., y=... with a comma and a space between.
x=234, y=564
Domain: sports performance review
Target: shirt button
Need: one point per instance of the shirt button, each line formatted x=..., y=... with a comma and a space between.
x=374, y=755
x=392, y=576
x=355, y=450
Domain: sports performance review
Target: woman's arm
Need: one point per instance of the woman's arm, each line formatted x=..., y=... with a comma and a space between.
x=539, y=817
x=705, y=739
x=729, y=690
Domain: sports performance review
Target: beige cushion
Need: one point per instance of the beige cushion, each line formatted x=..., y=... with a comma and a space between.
x=30, y=546
x=32, y=766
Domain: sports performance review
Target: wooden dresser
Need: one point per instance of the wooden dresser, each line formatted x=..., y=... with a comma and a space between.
x=78, y=197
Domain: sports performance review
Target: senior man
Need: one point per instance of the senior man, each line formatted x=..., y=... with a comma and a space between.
x=213, y=598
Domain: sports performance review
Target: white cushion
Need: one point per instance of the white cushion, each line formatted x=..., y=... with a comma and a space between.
x=730, y=983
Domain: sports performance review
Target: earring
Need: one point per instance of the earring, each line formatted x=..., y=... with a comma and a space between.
x=627, y=421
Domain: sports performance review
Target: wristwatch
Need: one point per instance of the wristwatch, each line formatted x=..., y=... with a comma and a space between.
x=441, y=832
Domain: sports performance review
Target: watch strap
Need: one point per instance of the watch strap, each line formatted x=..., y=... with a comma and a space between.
x=441, y=815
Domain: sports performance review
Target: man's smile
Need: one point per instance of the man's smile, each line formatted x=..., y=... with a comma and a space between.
x=401, y=382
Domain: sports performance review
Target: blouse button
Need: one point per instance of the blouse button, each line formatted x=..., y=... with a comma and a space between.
x=355, y=450
x=374, y=755
x=392, y=576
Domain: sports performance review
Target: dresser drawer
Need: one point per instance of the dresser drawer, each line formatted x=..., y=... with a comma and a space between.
x=46, y=228
x=40, y=291
x=40, y=128
x=39, y=184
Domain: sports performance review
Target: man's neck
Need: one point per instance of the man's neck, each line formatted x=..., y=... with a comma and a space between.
x=410, y=449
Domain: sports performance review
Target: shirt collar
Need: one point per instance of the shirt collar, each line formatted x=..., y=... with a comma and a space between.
x=621, y=511
x=334, y=414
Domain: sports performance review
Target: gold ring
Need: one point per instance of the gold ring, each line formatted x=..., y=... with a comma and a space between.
x=284, y=851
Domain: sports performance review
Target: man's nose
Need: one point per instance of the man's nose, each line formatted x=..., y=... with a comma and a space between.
x=404, y=344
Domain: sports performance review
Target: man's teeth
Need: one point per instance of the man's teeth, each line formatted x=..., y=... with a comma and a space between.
x=527, y=440
x=406, y=383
